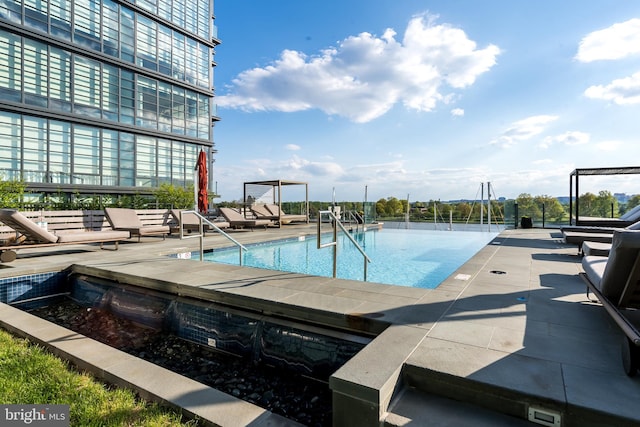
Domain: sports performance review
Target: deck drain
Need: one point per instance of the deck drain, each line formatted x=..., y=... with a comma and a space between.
x=497, y=272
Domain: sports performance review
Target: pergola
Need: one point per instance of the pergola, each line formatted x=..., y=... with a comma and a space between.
x=276, y=187
x=577, y=173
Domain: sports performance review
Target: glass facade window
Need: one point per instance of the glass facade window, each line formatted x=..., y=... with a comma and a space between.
x=178, y=172
x=127, y=159
x=11, y=137
x=122, y=97
x=147, y=103
x=86, y=23
x=164, y=161
x=127, y=97
x=59, y=72
x=178, y=111
x=110, y=92
x=109, y=27
x=146, y=162
x=59, y=153
x=110, y=160
x=127, y=34
x=86, y=86
x=54, y=151
x=11, y=67
x=47, y=77
x=35, y=73
x=146, y=42
x=34, y=148
x=86, y=156
x=60, y=15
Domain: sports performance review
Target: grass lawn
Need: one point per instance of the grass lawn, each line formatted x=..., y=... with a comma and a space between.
x=31, y=375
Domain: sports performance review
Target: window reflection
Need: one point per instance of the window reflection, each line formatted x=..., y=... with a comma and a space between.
x=53, y=151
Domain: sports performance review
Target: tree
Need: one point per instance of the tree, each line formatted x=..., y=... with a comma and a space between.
x=170, y=196
x=587, y=204
x=381, y=207
x=605, y=204
x=394, y=207
x=462, y=210
x=11, y=193
x=527, y=206
x=633, y=201
x=553, y=209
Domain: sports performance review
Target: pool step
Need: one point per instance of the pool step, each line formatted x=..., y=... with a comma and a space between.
x=418, y=408
x=430, y=397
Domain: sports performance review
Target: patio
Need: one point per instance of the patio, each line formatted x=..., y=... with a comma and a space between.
x=510, y=334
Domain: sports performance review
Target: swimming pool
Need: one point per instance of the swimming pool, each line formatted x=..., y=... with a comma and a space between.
x=414, y=258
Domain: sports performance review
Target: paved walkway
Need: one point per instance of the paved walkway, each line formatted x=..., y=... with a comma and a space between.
x=511, y=331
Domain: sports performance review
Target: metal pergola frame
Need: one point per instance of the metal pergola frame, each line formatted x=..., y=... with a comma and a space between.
x=626, y=170
x=278, y=184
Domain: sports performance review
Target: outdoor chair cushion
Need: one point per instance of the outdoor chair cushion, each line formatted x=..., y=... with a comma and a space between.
x=610, y=273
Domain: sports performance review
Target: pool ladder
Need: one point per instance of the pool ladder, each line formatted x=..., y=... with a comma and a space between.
x=335, y=222
x=202, y=221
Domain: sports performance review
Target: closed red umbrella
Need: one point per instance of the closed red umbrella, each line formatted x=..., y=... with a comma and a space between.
x=201, y=166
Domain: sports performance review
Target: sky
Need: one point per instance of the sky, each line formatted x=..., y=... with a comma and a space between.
x=429, y=100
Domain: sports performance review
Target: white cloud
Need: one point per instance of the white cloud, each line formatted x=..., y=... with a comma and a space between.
x=567, y=138
x=523, y=130
x=618, y=41
x=609, y=145
x=625, y=91
x=457, y=112
x=364, y=76
x=293, y=147
x=543, y=162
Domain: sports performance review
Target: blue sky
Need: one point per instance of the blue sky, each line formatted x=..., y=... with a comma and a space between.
x=426, y=98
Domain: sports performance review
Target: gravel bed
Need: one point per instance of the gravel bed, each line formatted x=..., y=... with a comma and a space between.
x=296, y=397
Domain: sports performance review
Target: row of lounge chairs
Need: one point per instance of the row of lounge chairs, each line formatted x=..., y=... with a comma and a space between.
x=274, y=213
x=610, y=250
x=579, y=234
x=123, y=224
x=615, y=280
x=33, y=235
x=611, y=271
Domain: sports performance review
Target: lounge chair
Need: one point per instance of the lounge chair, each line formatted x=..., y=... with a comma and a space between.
x=615, y=280
x=261, y=212
x=32, y=235
x=579, y=235
x=285, y=218
x=191, y=222
x=596, y=248
x=127, y=220
x=237, y=220
x=624, y=220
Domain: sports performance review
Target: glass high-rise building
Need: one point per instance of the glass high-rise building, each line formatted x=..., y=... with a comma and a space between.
x=105, y=96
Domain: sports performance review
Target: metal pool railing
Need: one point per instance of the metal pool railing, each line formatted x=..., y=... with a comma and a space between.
x=335, y=222
x=202, y=221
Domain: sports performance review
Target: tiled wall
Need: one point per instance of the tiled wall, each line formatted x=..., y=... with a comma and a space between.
x=255, y=337
x=14, y=290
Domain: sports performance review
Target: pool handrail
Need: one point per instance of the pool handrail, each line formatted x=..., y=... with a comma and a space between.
x=335, y=224
x=202, y=221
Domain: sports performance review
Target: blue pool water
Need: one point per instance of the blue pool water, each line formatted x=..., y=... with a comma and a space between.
x=415, y=258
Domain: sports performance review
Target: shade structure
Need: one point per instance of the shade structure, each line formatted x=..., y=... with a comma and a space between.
x=201, y=166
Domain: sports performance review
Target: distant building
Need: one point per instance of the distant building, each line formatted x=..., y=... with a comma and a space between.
x=104, y=96
x=621, y=197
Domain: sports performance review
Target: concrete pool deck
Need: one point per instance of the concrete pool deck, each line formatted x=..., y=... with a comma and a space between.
x=511, y=332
